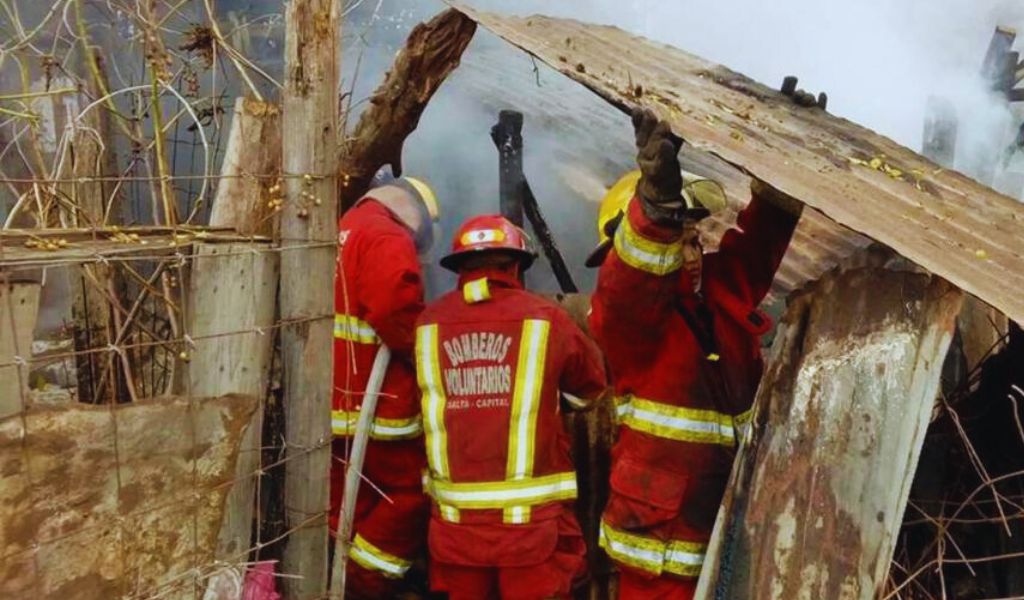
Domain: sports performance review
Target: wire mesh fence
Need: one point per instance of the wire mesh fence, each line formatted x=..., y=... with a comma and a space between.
x=127, y=324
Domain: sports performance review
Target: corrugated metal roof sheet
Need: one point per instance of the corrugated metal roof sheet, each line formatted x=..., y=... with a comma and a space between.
x=593, y=146
x=939, y=219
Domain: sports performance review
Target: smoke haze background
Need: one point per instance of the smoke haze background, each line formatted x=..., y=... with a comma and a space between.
x=879, y=61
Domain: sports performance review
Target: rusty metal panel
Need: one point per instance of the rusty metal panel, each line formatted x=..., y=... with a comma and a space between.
x=595, y=148
x=939, y=219
x=116, y=502
x=819, y=489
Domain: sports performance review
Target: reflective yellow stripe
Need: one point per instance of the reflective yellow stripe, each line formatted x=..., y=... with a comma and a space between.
x=504, y=494
x=343, y=422
x=520, y=491
x=622, y=407
x=476, y=291
x=522, y=435
x=684, y=558
x=428, y=373
x=652, y=555
x=373, y=558
x=448, y=513
x=646, y=554
x=352, y=329
x=644, y=254
x=679, y=423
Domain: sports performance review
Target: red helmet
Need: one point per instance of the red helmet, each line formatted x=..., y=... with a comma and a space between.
x=488, y=233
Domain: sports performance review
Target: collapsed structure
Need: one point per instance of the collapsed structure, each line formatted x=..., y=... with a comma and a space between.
x=819, y=492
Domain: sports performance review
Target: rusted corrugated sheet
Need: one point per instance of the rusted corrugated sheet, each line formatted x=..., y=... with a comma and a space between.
x=123, y=502
x=595, y=146
x=819, y=489
x=940, y=219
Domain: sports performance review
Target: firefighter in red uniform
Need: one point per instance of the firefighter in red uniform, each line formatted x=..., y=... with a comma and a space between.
x=378, y=297
x=492, y=361
x=681, y=333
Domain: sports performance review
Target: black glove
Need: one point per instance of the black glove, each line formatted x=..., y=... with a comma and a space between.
x=661, y=180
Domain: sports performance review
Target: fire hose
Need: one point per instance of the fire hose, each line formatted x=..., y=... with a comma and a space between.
x=354, y=470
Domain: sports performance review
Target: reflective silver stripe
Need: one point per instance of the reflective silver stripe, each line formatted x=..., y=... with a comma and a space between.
x=651, y=554
x=680, y=423
x=372, y=557
x=353, y=329
x=476, y=291
x=428, y=372
x=647, y=255
x=622, y=408
x=575, y=401
x=683, y=562
x=344, y=423
x=505, y=494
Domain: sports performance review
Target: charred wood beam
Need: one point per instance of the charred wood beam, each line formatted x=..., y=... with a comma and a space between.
x=517, y=199
x=508, y=139
x=547, y=240
x=432, y=51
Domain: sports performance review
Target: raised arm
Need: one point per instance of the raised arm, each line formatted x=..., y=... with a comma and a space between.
x=750, y=253
x=638, y=279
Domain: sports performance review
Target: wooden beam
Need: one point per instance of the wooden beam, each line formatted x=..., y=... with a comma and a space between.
x=19, y=306
x=308, y=220
x=252, y=165
x=817, y=494
x=432, y=51
x=232, y=294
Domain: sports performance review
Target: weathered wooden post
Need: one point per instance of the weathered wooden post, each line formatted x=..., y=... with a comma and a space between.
x=252, y=163
x=308, y=232
x=818, y=493
x=232, y=296
x=233, y=291
x=19, y=305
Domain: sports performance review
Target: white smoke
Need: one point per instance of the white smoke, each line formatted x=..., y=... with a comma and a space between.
x=879, y=61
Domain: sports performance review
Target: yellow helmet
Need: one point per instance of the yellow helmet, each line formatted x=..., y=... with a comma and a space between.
x=427, y=195
x=703, y=197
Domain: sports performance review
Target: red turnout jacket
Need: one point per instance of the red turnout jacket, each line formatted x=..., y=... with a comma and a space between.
x=685, y=368
x=378, y=293
x=492, y=360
